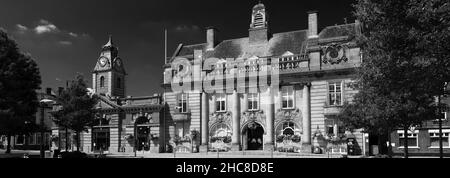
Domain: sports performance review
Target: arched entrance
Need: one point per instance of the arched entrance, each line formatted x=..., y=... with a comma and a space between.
x=253, y=136
x=143, y=134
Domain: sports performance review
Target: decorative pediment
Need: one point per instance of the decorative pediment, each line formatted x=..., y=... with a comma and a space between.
x=334, y=53
x=219, y=117
x=250, y=117
x=104, y=105
x=294, y=115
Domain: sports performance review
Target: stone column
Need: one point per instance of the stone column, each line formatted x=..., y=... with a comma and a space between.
x=205, y=123
x=307, y=114
x=270, y=119
x=245, y=104
x=214, y=107
x=236, y=139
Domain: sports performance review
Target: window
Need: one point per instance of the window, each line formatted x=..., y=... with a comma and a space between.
x=221, y=103
x=288, y=128
x=38, y=140
x=253, y=100
x=434, y=138
x=333, y=127
x=20, y=139
x=32, y=139
x=119, y=83
x=183, y=103
x=412, y=138
x=287, y=97
x=102, y=81
x=335, y=93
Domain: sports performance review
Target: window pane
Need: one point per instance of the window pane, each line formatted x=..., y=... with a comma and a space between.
x=217, y=106
x=412, y=142
x=338, y=87
x=331, y=88
x=338, y=99
x=223, y=106
x=330, y=130
x=290, y=103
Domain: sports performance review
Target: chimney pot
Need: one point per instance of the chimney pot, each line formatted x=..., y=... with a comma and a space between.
x=312, y=24
x=211, y=38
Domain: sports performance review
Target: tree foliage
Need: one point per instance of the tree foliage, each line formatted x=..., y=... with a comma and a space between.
x=19, y=80
x=77, y=107
x=405, y=63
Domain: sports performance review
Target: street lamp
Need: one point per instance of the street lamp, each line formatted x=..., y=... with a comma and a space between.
x=43, y=103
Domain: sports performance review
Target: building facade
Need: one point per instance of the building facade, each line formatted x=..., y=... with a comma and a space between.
x=32, y=141
x=292, y=112
x=123, y=124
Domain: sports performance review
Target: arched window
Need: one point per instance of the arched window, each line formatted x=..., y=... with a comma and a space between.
x=119, y=83
x=287, y=128
x=102, y=81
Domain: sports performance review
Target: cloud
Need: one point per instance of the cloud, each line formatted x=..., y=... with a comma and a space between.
x=73, y=34
x=65, y=43
x=21, y=27
x=46, y=31
x=45, y=27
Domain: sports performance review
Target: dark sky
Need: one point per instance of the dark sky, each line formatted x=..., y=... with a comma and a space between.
x=65, y=36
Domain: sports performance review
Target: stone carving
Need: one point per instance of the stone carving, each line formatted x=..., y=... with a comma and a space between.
x=334, y=53
x=251, y=117
x=294, y=116
x=219, y=117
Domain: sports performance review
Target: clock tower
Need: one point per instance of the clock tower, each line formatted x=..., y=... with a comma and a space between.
x=108, y=77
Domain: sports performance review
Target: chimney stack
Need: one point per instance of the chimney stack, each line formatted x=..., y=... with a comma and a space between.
x=312, y=24
x=211, y=38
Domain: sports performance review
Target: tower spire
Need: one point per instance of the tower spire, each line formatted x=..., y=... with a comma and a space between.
x=110, y=42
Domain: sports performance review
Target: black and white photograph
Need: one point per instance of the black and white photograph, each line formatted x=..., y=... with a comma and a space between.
x=264, y=82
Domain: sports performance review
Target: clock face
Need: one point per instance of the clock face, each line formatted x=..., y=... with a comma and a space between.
x=118, y=62
x=103, y=61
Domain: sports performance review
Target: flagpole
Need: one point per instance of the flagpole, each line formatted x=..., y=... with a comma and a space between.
x=164, y=87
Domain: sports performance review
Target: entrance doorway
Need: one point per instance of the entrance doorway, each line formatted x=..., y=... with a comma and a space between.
x=100, y=139
x=143, y=138
x=253, y=136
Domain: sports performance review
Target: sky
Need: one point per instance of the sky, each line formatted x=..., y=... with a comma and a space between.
x=65, y=37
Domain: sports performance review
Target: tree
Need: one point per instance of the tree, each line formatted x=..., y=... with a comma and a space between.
x=19, y=80
x=78, y=110
x=405, y=65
